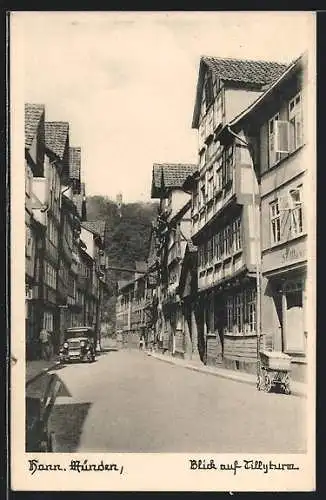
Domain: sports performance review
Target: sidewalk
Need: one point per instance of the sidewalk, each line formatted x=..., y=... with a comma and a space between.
x=297, y=388
x=36, y=368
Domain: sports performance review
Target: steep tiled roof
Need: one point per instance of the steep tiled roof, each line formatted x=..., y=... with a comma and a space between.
x=170, y=175
x=33, y=114
x=74, y=163
x=96, y=227
x=264, y=98
x=245, y=70
x=141, y=267
x=56, y=134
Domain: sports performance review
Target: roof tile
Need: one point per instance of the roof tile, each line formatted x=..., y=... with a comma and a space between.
x=245, y=70
x=56, y=134
x=74, y=163
x=170, y=175
x=33, y=115
x=96, y=227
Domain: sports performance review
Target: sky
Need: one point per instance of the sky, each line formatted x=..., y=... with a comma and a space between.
x=126, y=82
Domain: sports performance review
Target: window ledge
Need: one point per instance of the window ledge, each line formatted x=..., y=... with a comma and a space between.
x=237, y=252
x=283, y=243
x=282, y=160
x=237, y=335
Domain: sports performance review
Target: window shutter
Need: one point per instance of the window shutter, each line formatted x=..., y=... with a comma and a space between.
x=281, y=136
x=285, y=215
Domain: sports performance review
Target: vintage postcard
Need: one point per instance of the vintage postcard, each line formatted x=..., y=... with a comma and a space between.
x=163, y=251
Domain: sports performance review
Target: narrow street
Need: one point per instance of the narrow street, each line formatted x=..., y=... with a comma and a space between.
x=129, y=402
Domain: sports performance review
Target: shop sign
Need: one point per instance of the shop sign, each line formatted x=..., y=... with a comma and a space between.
x=293, y=253
x=281, y=257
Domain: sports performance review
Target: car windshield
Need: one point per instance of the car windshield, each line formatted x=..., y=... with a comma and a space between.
x=73, y=334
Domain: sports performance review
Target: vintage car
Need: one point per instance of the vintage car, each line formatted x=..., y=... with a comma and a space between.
x=79, y=344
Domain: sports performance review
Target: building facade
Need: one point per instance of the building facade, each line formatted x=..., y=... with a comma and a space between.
x=58, y=294
x=35, y=223
x=225, y=204
x=275, y=128
x=173, y=229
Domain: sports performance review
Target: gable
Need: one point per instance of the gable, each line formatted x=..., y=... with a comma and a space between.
x=245, y=73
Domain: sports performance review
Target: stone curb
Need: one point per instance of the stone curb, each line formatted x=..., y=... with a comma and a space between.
x=231, y=376
x=42, y=372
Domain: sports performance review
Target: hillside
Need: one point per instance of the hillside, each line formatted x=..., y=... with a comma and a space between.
x=126, y=239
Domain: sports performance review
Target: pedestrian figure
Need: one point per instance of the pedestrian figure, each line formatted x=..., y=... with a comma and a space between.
x=141, y=343
x=46, y=346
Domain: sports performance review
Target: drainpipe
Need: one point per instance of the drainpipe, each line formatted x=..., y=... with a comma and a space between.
x=258, y=256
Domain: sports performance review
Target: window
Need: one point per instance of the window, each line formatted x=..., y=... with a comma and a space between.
x=275, y=219
x=228, y=240
x=295, y=121
x=50, y=275
x=53, y=233
x=210, y=250
x=209, y=91
x=202, y=193
x=210, y=150
x=201, y=160
x=210, y=184
x=217, y=111
x=274, y=156
x=205, y=253
x=48, y=321
x=201, y=256
x=227, y=166
x=28, y=242
x=229, y=314
x=218, y=166
x=251, y=310
x=238, y=312
x=241, y=312
x=195, y=201
x=236, y=226
x=202, y=133
x=296, y=221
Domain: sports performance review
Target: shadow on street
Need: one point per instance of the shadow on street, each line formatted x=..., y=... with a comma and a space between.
x=66, y=422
